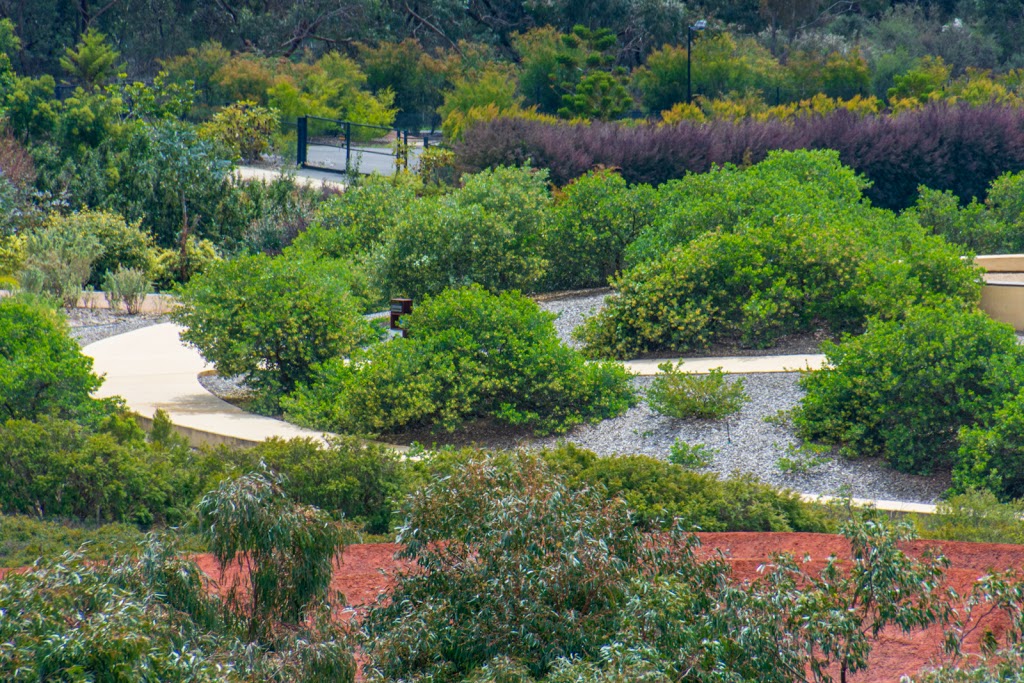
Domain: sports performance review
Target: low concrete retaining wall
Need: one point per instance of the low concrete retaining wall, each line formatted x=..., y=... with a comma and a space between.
x=1001, y=297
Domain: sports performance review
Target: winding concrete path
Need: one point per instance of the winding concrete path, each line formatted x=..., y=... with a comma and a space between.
x=151, y=368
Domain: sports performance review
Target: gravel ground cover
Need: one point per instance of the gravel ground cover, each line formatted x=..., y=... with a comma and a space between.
x=745, y=442
x=92, y=325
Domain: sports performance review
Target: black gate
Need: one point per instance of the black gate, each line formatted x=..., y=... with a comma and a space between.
x=356, y=148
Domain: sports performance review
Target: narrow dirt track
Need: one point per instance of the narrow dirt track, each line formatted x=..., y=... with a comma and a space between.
x=363, y=575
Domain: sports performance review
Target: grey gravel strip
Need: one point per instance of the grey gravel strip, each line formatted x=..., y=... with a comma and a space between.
x=88, y=326
x=746, y=443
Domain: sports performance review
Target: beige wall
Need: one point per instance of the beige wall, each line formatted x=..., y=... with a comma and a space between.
x=1001, y=263
x=1004, y=301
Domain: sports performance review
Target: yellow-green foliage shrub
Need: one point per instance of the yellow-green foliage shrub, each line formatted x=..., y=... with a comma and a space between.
x=245, y=128
x=170, y=266
x=122, y=244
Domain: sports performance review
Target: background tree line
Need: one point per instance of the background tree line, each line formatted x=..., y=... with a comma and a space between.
x=570, y=57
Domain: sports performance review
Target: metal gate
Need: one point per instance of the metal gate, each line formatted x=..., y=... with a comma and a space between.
x=356, y=148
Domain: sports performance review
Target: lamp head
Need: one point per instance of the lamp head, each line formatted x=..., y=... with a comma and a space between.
x=700, y=25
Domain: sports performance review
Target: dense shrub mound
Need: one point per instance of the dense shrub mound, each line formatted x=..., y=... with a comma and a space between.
x=593, y=221
x=660, y=493
x=957, y=148
x=993, y=227
x=748, y=256
x=42, y=370
x=469, y=354
x=486, y=233
x=271, y=319
x=904, y=388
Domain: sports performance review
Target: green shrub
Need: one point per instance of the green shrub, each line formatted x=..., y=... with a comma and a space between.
x=786, y=246
x=59, y=262
x=976, y=516
x=469, y=354
x=793, y=275
x=803, y=459
x=903, y=389
x=127, y=286
x=357, y=219
x=592, y=222
x=122, y=244
x=244, y=128
x=24, y=540
x=806, y=183
x=991, y=454
x=691, y=456
x=487, y=233
x=992, y=227
x=171, y=266
x=272, y=319
x=103, y=472
x=59, y=469
x=657, y=492
x=349, y=478
x=972, y=226
x=42, y=370
x=277, y=211
x=681, y=394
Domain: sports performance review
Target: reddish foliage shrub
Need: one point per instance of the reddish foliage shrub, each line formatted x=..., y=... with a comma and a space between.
x=15, y=162
x=957, y=148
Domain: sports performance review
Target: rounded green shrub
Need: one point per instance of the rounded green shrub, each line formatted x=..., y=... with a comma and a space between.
x=488, y=233
x=470, y=354
x=681, y=394
x=658, y=492
x=593, y=220
x=272, y=319
x=794, y=275
x=991, y=454
x=42, y=370
x=244, y=128
x=122, y=244
x=357, y=219
x=904, y=388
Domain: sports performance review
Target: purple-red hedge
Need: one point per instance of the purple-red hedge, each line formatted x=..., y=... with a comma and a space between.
x=958, y=148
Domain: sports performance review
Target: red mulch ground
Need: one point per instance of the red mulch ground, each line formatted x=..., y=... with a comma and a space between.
x=362, y=576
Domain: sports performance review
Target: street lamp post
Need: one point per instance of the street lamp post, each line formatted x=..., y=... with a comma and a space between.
x=697, y=26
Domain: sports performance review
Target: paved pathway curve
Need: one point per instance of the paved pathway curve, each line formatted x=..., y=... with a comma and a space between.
x=152, y=368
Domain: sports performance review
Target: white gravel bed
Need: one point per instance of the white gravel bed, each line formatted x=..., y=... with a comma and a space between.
x=571, y=312
x=745, y=442
x=226, y=388
x=92, y=325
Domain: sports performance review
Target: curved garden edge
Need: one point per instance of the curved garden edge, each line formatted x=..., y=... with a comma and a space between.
x=151, y=369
